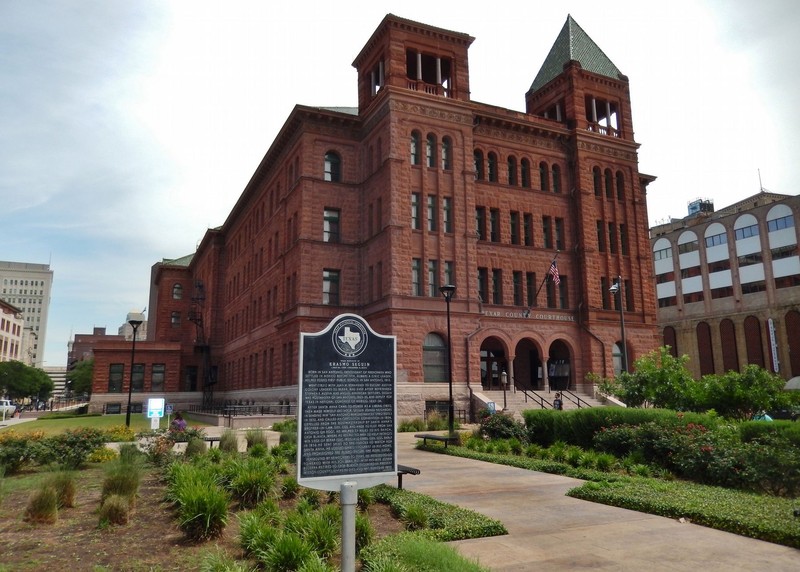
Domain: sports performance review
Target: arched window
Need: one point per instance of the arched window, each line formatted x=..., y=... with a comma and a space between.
x=512, y=170
x=727, y=337
x=478, y=158
x=333, y=167
x=430, y=150
x=556, y=179
x=447, y=151
x=704, y=348
x=752, y=341
x=177, y=292
x=793, y=338
x=526, y=173
x=544, y=177
x=492, y=167
x=671, y=340
x=415, y=141
x=175, y=319
x=617, y=358
x=597, y=181
x=620, y=186
x=434, y=358
x=609, y=184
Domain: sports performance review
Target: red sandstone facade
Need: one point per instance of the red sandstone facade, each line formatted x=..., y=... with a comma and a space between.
x=370, y=210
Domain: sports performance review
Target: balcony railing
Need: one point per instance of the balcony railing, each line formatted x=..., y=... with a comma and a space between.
x=429, y=88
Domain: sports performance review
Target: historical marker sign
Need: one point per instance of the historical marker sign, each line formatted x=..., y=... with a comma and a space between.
x=347, y=406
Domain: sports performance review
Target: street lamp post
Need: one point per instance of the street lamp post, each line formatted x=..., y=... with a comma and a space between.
x=448, y=291
x=135, y=320
x=504, y=381
x=617, y=289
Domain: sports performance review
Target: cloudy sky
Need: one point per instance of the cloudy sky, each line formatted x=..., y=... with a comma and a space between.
x=129, y=127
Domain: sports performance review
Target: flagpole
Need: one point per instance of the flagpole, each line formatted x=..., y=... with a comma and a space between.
x=546, y=274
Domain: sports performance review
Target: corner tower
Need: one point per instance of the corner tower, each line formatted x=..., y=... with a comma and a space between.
x=409, y=55
x=579, y=87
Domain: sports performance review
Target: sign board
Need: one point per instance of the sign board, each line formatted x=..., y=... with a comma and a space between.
x=773, y=345
x=346, y=406
x=168, y=409
x=155, y=407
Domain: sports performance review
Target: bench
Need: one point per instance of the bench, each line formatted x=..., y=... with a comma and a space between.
x=443, y=438
x=405, y=470
x=211, y=441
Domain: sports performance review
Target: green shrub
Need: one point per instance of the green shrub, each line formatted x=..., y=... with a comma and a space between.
x=322, y=535
x=285, y=426
x=256, y=533
x=218, y=560
x=289, y=487
x=70, y=449
x=229, y=442
x=365, y=532
x=114, y=510
x=42, y=505
x=195, y=447
x=288, y=552
x=501, y=426
x=418, y=553
x=119, y=434
x=252, y=483
x=258, y=450
x=102, y=455
x=203, y=510
x=411, y=425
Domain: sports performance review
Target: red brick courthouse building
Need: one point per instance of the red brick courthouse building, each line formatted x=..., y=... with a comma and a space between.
x=370, y=210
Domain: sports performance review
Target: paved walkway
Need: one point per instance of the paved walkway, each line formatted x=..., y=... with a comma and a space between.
x=550, y=531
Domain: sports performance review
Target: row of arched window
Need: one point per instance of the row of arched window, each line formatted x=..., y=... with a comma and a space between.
x=606, y=181
x=517, y=174
x=435, y=154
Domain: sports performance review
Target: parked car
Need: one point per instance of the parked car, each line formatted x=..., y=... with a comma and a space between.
x=7, y=408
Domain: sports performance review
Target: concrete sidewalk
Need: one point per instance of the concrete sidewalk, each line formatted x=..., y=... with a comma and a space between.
x=550, y=531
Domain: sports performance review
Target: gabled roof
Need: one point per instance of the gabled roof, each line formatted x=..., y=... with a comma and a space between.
x=573, y=43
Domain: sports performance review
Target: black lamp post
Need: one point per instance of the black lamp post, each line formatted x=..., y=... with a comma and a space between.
x=617, y=289
x=135, y=320
x=504, y=381
x=448, y=291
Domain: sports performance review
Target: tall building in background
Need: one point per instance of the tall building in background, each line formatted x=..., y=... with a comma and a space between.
x=728, y=285
x=533, y=216
x=12, y=346
x=28, y=287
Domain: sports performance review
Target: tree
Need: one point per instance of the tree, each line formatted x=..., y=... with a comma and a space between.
x=18, y=381
x=658, y=379
x=80, y=377
x=740, y=395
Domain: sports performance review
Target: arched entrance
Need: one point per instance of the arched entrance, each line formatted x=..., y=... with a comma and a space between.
x=559, y=366
x=528, y=366
x=493, y=361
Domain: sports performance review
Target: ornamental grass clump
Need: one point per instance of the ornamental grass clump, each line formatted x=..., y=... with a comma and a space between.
x=114, y=510
x=195, y=447
x=288, y=552
x=42, y=505
x=256, y=437
x=63, y=482
x=229, y=441
x=122, y=479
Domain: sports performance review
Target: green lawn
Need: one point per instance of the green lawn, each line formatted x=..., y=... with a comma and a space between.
x=54, y=426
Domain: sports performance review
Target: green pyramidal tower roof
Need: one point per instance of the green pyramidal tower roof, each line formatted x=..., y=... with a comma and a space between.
x=573, y=43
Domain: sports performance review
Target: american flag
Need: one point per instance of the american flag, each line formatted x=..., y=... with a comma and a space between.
x=554, y=272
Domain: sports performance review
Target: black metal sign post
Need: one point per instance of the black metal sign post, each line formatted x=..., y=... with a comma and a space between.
x=347, y=414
